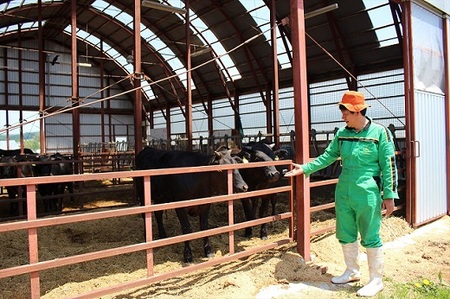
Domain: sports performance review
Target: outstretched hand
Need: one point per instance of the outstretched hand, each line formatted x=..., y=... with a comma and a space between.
x=297, y=170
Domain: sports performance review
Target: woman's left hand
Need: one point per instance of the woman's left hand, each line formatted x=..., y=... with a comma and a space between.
x=389, y=206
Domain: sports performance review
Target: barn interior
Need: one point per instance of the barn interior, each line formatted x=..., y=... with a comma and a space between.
x=201, y=74
x=98, y=80
x=182, y=82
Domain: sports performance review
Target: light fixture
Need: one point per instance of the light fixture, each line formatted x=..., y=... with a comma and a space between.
x=81, y=64
x=84, y=64
x=160, y=6
x=201, y=52
x=321, y=11
x=130, y=59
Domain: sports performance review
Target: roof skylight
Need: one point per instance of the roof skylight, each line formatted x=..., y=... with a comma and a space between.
x=158, y=44
x=19, y=3
x=23, y=27
x=381, y=18
x=261, y=15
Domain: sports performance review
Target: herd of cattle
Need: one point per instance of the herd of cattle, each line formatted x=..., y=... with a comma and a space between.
x=29, y=164
x=170, y=188
x=164, y=188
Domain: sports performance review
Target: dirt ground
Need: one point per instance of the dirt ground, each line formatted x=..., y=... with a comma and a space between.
x=282, y=273
x=411, y=256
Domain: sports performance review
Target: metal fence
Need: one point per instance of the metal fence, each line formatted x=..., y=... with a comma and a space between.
x=32, y=223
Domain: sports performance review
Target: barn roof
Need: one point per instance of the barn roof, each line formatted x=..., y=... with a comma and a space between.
x=229, y=41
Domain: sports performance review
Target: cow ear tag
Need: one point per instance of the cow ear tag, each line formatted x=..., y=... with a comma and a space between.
x=276, y=158
x=244, y=160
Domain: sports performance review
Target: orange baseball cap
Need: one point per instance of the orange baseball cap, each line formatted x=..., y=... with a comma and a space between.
x=353, y=101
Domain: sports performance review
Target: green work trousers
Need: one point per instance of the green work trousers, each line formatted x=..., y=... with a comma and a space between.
x=358, y=208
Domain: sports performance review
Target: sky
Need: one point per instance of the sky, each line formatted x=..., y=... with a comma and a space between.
x=14, y=120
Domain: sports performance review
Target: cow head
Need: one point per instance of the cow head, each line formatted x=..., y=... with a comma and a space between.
x=262, y=152
x=61, y=164
x=281, y=154
x=12, y=170
x=223, y=156
x=8, y=171
x=27, y=170
x=42, y=168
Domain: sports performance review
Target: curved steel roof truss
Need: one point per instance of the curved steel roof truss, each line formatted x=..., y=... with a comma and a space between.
x=242, y=38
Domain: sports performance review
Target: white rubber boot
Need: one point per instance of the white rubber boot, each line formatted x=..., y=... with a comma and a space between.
x=351, y=253
x=376, y=262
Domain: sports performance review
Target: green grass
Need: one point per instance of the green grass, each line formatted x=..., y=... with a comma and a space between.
x=424, y=288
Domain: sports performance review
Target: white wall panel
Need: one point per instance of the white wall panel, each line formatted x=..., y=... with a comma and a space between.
x=429, y=113
x=13, y=87
x=122, y=119
x=121, y=101
x=122, y=125
x=60, y=125
x=30, y=100
x=91, y=127
x=59, y=132
x=90, y=130
x=59, y=90
x=431, y=184
x=123, y=130
x=13, y=99
x=91, y=102
x=31, y=77
x=91, y=92
x=91, y=118
x=57, y=144
x=12, y=72
x=57, y=78
x=31, y=90
x=89, y=81
x=90, y=139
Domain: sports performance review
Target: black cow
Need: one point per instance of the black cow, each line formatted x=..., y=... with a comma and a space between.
x=170, y=188
x=12, y=169
x=52, y=193
x=259, y=178
x=64, y=166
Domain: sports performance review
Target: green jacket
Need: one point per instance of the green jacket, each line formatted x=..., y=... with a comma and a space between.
x=369, y=152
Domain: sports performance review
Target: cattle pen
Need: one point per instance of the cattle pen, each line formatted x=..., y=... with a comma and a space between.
x=35, y=266
x=99, y=80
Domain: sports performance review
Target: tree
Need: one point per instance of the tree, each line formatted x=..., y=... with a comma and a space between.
x=34, y=143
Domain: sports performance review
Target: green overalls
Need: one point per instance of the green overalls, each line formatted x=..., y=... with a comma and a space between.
x=368, y=166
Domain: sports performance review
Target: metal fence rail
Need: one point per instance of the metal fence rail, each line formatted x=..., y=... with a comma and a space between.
x=32, y=223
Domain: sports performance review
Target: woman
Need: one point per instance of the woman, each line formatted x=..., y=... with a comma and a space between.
x=367, y=183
